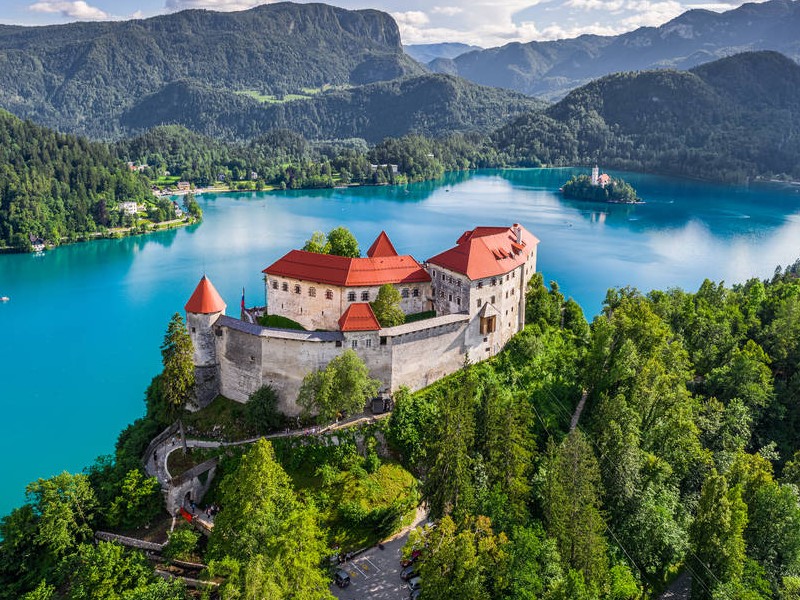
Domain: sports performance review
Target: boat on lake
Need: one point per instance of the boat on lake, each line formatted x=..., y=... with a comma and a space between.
x=4, y=298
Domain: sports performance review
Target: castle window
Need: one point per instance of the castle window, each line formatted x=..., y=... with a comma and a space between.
x=415, y=293
x=328, y=294
x=480, y=284
x=404, y=293
x=297, y=289
x=351, y=296
x=450, y=279
x=354, y=344
x=458, y=301
x=312, y=291
x=285, y=286
x=488, y=324
x=365, y=296
x=368, y=343
x=433, y=274
x=338, y=343
x=274, y=285
x=383, y=340
x=450, y=297
x=193, y=329
x=493, y=300
x=441, y=294
x=479, y=302
x=458, y=282
x=494, y=281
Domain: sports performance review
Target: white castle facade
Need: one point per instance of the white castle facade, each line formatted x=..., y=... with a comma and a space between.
x=476, y=290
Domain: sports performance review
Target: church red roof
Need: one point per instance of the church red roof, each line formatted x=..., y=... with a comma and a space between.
x=205, y=299
x=488, y=251
x=359, y=317
x=382, y=265
x=381, y=247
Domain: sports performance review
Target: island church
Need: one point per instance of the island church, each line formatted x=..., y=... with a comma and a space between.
x=476, y=290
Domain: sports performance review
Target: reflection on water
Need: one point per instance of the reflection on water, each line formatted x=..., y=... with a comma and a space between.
x=82, y=331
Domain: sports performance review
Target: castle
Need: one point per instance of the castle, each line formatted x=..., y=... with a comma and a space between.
x=476, y=289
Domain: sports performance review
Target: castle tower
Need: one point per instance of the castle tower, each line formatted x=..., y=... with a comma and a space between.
x=595, y=175
x=203, y=309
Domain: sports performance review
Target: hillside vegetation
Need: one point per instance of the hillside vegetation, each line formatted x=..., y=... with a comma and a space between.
x=729, y=120
x=427, y=104
x=81, y=77
x=551, y=69
x=54, y=186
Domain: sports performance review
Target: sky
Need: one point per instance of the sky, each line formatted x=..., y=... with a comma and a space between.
x=485, y=23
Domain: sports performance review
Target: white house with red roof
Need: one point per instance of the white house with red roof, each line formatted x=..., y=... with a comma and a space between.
x=476, y=288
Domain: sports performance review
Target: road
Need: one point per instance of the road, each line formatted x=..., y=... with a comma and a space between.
x=375, y=574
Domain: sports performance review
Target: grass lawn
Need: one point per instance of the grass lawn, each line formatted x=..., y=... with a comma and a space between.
x=279, y=322
x=271, y=99
x=166, y=181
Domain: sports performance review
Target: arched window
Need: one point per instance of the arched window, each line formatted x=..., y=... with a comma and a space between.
x=415, y=293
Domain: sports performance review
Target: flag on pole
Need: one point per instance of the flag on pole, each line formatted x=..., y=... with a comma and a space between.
x=242, y=298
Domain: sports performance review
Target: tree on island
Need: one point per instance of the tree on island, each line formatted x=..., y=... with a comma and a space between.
x=191, y=206
x=177, y=382
x=344, y=386
x=339, y=241
x=387, y=306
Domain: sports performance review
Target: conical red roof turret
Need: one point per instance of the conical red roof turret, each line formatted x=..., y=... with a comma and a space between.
x=205, y=299
x=381, y=247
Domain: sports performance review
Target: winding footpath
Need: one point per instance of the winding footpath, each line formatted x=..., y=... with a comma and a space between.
x=155, y=462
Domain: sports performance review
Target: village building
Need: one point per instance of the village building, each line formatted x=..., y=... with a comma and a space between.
x=476, y=290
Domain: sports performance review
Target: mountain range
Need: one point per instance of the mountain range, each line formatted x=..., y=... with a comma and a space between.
x=728, y=120
x=425, y=53
x=551, y=69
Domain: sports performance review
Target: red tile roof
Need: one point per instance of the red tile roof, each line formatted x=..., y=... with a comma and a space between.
x=348, y=272
x=359, y=317
x=487, y=251
x=205, y=299
x=381, y=247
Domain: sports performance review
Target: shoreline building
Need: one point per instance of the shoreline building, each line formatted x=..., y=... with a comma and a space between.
x=476, y=289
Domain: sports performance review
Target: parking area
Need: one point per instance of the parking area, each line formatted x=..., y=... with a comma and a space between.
x=375, y=574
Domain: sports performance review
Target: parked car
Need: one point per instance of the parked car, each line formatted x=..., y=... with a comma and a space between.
x=414, y=556
x=410, y=571
x=415, y=583
x=341, y=578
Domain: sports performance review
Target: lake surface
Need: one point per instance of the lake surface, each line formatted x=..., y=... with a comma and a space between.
x=81, y=334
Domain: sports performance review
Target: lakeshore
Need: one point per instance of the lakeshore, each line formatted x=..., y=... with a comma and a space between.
x=120, y=293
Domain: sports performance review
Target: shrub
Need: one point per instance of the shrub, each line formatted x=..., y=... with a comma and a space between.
x=261, y=412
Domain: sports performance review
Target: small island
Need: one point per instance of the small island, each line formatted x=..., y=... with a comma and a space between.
x=600, y=188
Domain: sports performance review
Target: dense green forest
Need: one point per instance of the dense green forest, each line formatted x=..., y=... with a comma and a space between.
x=424, y=104
x=81, y=77
x=684, y=458
x=55, y=186
x=740, y=125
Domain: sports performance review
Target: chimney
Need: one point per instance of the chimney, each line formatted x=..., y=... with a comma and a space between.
x=517, y=230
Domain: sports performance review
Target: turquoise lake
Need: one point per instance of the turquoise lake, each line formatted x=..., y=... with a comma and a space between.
x=82, y=331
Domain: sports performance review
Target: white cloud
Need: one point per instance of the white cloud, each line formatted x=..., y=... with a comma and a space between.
x=411, y=18
x=75, y=10
x=222, y=5
x=448, y=11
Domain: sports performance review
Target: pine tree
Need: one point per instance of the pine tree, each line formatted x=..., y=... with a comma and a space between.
x=177, y=381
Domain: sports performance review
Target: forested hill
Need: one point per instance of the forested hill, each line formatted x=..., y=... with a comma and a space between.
x=81, y=77
x=54, y=185
x=427, y=104
x=697, y=36
x=732, y=119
